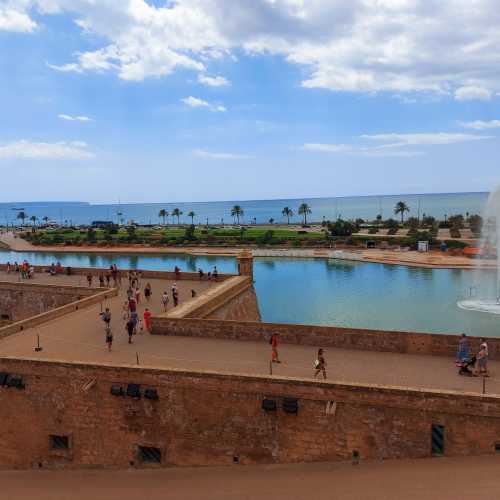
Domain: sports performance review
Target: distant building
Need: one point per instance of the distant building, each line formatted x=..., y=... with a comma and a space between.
x=101, y=224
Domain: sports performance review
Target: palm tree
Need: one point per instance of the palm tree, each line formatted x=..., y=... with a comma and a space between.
x=237, y=212
x=287, y=212
x=163, y=213
x=33, y=219
x=23, y=216
x=192, y=215
x=45, y=219
x=304, y=210
x=177, y=213
x=400, y=208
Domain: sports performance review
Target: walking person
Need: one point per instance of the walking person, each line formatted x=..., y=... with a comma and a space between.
x=109, y=338
x=148, y=292
x=132, y=305
x=215, y=273
x=147, y=319
x=320, y=364
x=463, y=353
x=106, y=317
x=101, y=280
x=175, y=297
x=135, y=321
x=125, y=309
x=130, y=326
x=164, y=300
x=482, y=361
x=274, y=347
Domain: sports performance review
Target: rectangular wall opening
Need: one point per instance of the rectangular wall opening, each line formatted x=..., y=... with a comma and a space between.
x=149, y=454
x=437, y=440
x=59, y=442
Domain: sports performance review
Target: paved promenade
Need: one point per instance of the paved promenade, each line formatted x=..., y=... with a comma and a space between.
x=80, y=336
x=424, y=479
x=432, y=259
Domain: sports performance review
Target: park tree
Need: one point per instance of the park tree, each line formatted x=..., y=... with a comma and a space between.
x=237, y=212
x=177, y=213
x=304, y=210
x=475, y=223
x=341, y=228
x=401, y=208
x=163, y=214
x=287, y=212
x=22, y=215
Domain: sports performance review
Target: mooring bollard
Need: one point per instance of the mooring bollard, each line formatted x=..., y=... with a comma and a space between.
x=270, y=367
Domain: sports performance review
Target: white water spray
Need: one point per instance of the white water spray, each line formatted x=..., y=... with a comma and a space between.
x=488, y=297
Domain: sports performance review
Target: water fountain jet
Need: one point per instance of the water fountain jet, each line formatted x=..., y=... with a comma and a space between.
x=488, y=300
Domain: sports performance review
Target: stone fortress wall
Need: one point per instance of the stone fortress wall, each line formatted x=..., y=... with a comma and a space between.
x=320, y=336
x=208, y=418
x=65, y=414
x=19, y=301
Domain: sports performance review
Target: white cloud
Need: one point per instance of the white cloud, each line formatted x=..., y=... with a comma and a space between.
x=394, y=144
x=75, y=118
x=358, y=150
x=23, y=149
x=429, y=139
x=65, y=68
x=213, y=81
x=328, y=148
x=220, y=156
x=472, y=93
x=354, y=46
x=13, y=17
x=195, y=102
x=481, y=125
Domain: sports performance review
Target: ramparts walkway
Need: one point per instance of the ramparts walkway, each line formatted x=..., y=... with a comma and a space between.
x=79, y=336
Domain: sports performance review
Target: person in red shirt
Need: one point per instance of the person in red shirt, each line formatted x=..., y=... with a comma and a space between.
x=274, y=347
x=147, y=319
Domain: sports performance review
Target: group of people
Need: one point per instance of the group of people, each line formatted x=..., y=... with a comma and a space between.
x=472, y=364
x=319, y=363
x=135, y=293
x=25, y=270
x=211, y=275
x=113, y=274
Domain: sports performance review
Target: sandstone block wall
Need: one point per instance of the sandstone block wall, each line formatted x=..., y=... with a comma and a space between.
x=321, y=336
x=233, y=299
x=82, y=297
x=210, y=418
x=241, y=307
x=95, y=271
x=21, y=300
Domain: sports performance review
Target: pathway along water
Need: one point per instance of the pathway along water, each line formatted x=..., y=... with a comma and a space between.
x=328, y=292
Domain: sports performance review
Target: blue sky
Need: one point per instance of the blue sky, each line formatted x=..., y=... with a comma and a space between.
x=200, y=100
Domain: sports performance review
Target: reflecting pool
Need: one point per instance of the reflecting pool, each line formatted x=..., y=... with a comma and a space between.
x=329, y=292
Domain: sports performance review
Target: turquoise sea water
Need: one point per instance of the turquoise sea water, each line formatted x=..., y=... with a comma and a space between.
x=366, y=207
x=329, y=292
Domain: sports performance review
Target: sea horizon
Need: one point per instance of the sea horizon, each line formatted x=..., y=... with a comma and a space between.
x=438, y=205
x=245, y=200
